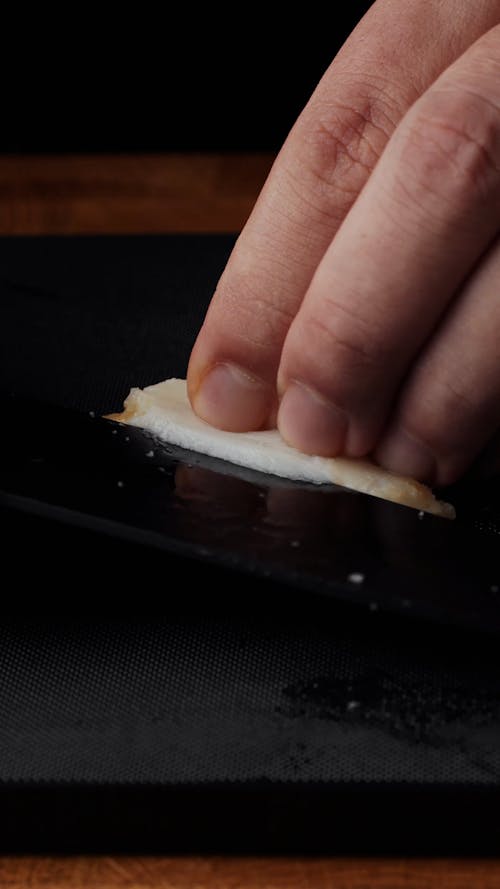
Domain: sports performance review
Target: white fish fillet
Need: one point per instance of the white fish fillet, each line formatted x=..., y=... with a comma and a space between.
x=164, y=410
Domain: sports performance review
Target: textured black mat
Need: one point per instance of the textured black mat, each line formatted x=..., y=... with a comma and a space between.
x=195, y=701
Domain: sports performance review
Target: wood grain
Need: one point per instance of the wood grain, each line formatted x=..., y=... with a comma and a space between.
x=101, y=194
x=123, y=194
x=245, y=873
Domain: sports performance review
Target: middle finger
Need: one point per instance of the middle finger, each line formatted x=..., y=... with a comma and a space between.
x=425, y=216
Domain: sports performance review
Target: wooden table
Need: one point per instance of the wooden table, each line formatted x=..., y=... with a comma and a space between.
x=181, y=193
x=234, y=873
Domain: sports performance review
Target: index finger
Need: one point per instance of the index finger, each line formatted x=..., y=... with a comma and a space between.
x=322, y=167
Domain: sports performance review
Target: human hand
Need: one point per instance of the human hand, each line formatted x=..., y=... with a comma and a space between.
x=361, y=303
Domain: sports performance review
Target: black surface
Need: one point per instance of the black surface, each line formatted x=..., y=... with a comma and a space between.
x=84, y=319
x=118, y=480
x=188, y=81
x=218, y=687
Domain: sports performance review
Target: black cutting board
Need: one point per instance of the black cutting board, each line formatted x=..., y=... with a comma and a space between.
x=225, y=685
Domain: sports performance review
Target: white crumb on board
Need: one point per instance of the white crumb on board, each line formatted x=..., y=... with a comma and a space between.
x=356, y=577
x=164, y=410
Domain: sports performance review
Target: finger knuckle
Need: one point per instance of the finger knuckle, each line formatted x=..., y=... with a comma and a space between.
x=341, y=141
x=439, y=418
x=250, y=315
x=451, y=144
x=336, y=326
x=338, y=357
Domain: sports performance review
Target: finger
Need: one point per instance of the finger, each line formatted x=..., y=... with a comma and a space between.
x=428, y=212
x=321, y=169
x=450, y=407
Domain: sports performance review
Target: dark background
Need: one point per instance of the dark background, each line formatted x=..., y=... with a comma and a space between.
x=165, y=78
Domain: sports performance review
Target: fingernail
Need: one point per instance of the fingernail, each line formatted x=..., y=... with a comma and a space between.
x=311, y=423
x=403, y=455
x=232, y=399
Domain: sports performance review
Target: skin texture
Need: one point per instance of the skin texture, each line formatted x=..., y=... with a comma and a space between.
x=360, y=307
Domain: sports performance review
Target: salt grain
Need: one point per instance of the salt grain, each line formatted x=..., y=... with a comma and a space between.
x=92, y=414
x=373, y=606
x=356, y=577
x=421, y=514
x=352, y=705
x=295, y=543
x=121, y=484
x=150, y=453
